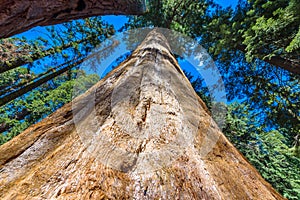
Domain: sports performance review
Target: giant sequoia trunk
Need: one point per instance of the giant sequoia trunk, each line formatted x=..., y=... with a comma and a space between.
x=20, y=15
x=140, y=133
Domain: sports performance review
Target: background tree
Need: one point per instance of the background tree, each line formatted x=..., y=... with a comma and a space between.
x=255, y=28
x=266, y=150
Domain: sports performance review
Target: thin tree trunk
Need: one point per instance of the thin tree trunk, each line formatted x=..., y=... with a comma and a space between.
x=292, y=66
x=36, y=83
x=20, y=15
x=4, y=127
x=140, y=133
x=30, y=58
x=12, y=92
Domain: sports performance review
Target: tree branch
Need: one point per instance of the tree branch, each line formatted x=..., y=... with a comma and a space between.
x=19, y=61
x=289, y=65
x=17, y=16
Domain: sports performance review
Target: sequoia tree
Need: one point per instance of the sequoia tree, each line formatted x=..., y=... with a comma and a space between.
x=20, y=15
x=141, y=132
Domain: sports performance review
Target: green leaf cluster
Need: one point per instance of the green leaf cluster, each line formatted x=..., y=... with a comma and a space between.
x=265, y=149
x=29, y=109
x=273, y=28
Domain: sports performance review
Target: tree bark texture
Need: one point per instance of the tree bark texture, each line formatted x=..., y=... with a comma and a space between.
x=20, y=15
x=147, y=136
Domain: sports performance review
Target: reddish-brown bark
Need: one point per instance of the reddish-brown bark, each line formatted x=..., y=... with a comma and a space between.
x=20, y=15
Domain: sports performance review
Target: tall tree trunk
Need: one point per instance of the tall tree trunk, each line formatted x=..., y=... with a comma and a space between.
x=20, y=15
x=140, y=133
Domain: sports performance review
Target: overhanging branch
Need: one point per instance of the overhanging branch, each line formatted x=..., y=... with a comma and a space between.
x=17, y=16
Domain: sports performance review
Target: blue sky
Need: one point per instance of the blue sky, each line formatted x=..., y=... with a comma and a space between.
x=226, y=3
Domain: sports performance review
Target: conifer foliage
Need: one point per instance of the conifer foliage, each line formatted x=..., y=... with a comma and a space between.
x=38, y=76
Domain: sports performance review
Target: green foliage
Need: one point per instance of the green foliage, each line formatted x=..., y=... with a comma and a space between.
x=200, y=88
x=182, y=16
x=11, y=77
x=266, y=150
x=271, y=91
x=40, y=103
x=273, y=29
